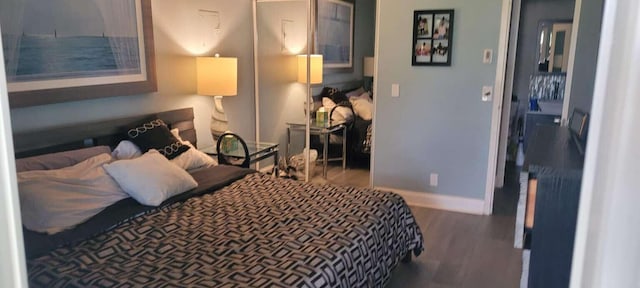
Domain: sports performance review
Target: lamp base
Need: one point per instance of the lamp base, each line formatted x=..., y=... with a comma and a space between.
x=219, y=122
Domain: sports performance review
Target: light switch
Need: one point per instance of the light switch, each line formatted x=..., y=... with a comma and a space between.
x=487, y=56
x=395, y=90
x=487, y=93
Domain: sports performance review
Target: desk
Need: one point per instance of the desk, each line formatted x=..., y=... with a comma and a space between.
x=322, y=129
x=257, y=151
x=548, y=206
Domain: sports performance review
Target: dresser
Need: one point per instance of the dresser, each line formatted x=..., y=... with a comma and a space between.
x=548, y=206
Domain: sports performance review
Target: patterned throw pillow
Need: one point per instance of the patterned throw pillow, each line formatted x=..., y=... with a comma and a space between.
x=154, y=134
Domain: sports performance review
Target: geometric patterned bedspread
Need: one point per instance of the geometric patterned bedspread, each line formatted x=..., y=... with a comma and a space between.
x=256, y=232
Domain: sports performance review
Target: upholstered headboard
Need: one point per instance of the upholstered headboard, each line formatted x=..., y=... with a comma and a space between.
x=344, y=86
x=106, y=132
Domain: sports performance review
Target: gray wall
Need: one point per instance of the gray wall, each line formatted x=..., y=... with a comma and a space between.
x=439, y=123
x=532, y=12
x=584, y=69
x=177, y=43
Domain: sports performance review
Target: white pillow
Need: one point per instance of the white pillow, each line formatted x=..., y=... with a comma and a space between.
x=340, y=114
x=355, y=93
x=55, y=200
x=365, y=95
x=192, y=158
x=126, y=150
x=363, y=106
x=150, y=178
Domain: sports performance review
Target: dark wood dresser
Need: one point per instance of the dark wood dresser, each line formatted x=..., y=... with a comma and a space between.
x=548, y=208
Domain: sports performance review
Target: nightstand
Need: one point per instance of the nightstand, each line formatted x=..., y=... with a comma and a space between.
x=257, y=151
x=322, y=129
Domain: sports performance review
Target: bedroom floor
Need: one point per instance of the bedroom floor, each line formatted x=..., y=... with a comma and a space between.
x=461, y=250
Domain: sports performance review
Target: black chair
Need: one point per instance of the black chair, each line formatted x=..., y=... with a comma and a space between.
x=233, y=160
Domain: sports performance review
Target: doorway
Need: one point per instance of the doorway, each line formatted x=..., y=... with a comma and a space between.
x=535, y=85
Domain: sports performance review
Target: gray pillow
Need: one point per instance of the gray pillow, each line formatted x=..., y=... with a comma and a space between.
x=60, y=159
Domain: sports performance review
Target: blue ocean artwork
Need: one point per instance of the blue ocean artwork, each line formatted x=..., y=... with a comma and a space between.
x=64, y=39
x=47, y=57
x=334, y=32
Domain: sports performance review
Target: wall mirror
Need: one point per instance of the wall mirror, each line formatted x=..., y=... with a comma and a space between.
x=554, y=45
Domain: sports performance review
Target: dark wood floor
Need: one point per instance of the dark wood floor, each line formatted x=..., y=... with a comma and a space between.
x=505, y=200
x=461, y=250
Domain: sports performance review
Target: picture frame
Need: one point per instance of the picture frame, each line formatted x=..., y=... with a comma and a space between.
x=132, y=76
x=334, y=33
x=432, y=43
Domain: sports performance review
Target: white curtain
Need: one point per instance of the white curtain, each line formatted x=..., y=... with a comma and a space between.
x=120, y=24
x=11, y=17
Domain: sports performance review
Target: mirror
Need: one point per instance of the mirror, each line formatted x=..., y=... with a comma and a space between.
x=553, y=46
x=282, y=34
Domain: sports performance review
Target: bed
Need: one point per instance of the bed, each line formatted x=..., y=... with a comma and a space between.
x=237, y=228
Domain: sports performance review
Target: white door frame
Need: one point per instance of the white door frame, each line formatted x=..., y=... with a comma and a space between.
x=572, y=59
x=13, y=268
x=501, y=62
x=376, y=50
x=505, y=125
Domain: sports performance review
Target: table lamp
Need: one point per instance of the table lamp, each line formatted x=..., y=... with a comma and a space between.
x=217, y=76
x=316, y=69
x=368, y=69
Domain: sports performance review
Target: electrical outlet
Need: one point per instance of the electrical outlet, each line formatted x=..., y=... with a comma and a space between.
x=433, y=180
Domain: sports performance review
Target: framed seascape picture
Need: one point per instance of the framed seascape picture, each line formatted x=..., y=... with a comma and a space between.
x=432, y=38
x=334, y=33
x=68, y=50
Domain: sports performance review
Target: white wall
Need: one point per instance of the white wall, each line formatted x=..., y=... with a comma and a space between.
x=439, y=123
x=177, y=42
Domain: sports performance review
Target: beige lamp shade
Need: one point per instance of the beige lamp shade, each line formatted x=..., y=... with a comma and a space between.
x=316, y=69
x=368, y=67
x=217, y=76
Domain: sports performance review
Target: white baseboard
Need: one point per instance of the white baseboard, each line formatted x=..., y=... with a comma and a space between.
x=440, y=202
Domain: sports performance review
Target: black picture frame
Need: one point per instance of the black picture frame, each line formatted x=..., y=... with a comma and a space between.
x=432, y=43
